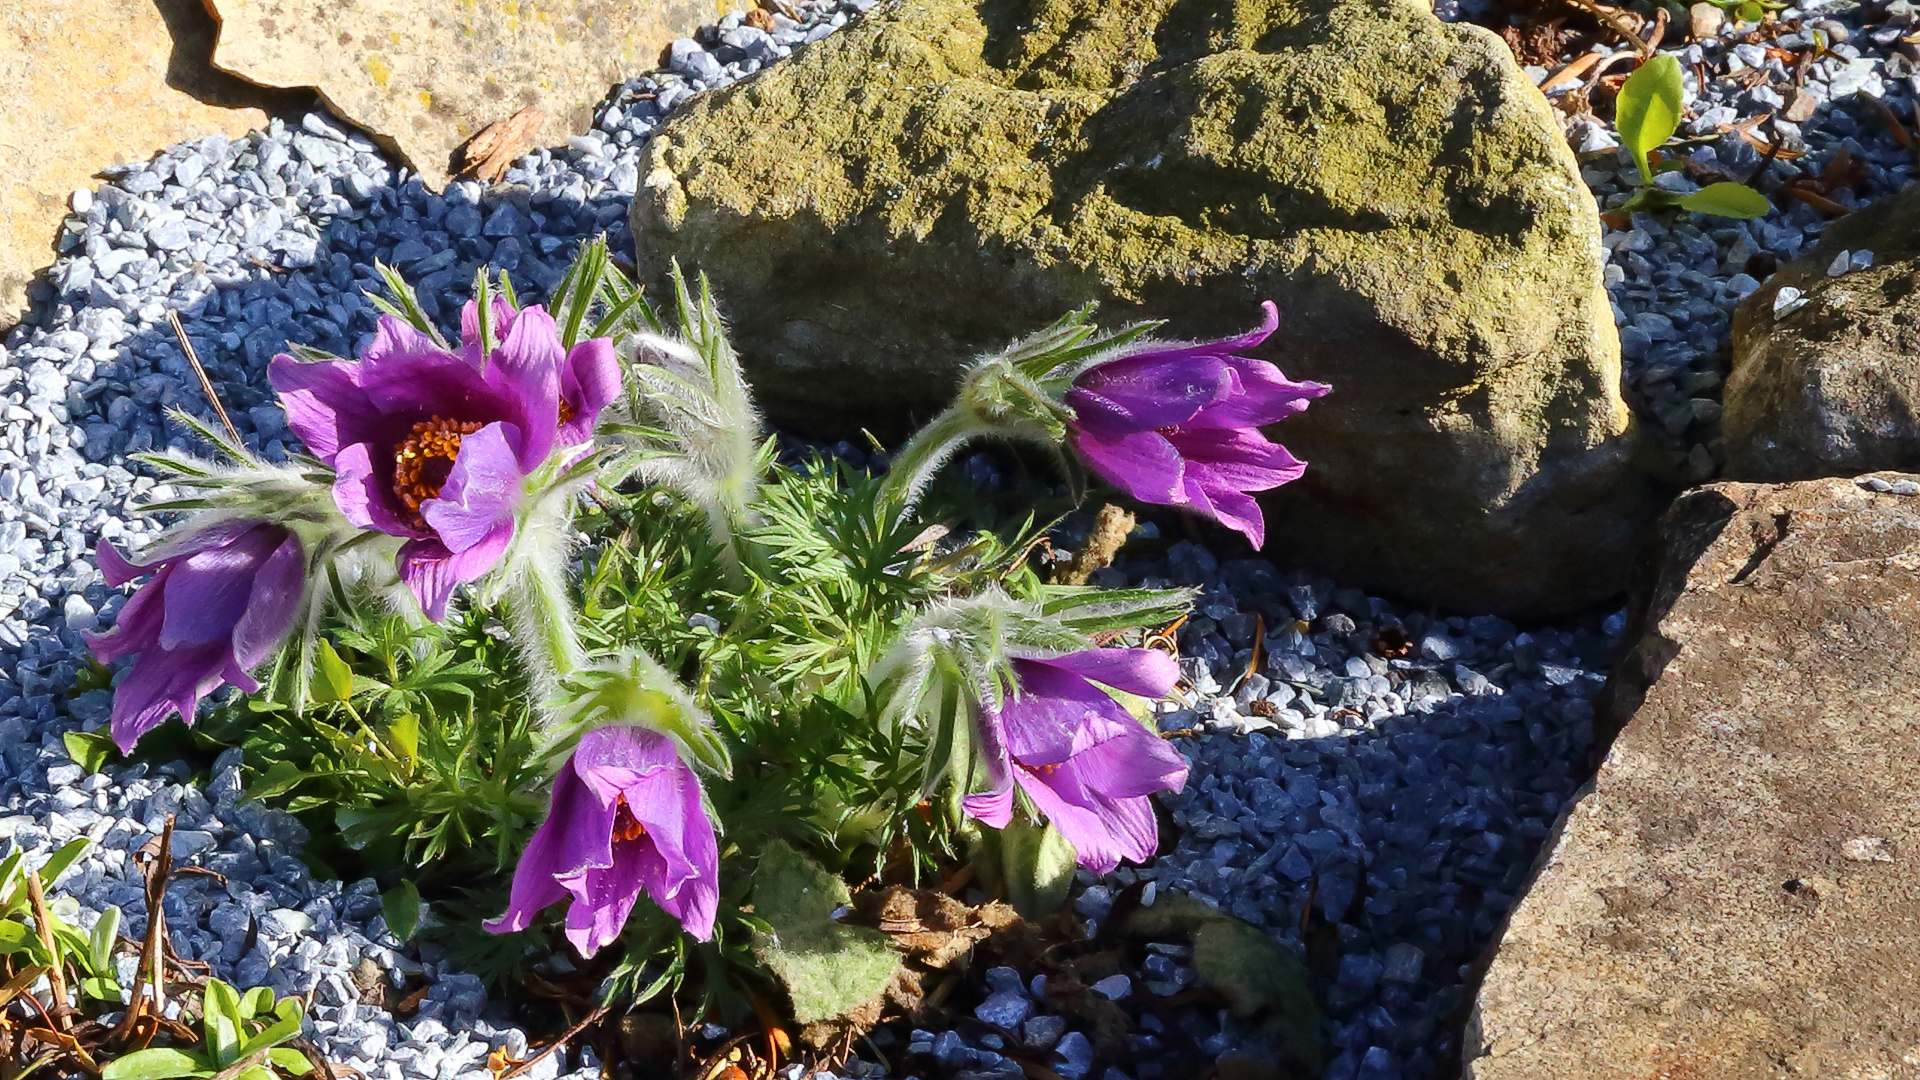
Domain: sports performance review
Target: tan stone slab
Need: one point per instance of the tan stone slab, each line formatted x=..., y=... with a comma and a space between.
x=425, y=77
x=1738, y=896
x=89, y=84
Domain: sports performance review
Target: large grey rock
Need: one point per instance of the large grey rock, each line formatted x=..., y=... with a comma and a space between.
x=952, y=173
x=1831, y=387
x=1737, y=896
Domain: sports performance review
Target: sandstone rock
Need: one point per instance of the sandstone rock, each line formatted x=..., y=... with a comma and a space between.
x=1832, y=387
x=424, y=78
x=1716, y=905
x=93, y=83
x=951, y=173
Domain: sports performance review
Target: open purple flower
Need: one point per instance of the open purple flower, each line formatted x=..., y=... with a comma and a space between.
x=435, y=446
x=627, y=816
x=1086, y=764
x=220, y=602
x=1180, y=425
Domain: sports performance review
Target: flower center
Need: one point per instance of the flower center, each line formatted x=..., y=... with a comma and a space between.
x=625, y=825
x=1169, y=430
x=1041, y=770
x=566, y=411
x=421, y=463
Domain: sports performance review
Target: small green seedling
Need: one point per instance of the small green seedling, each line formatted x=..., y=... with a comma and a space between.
x=1647, y=115
x=63, y=945
x=244, y=1037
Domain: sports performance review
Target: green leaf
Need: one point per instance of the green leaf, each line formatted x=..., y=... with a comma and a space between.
x=100, y=989
x=1648, y=109
x=18, y=937
x=1750, y=12
x=106, y=933
x=89, y=749
x=291, y=1060
x=281, y=777
x=403, y=734
x=220, y=1005
x=57, y=864
x=1092, y=611
x=336, y=679
x=156, y=1063
x=255, y=1072
x=402, y=907
x=829, y=969
x=256, y=1003
x=287, y=1027
x=1727, y=200
x=1032, y=864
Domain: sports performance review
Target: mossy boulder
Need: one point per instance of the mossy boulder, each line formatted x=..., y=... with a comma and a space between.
x=951, y=173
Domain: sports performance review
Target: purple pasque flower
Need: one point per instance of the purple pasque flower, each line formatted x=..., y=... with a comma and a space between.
x=221, y=600
x=435, y=445
x=1084, y=762
x=627, y=816
x=1180, y=425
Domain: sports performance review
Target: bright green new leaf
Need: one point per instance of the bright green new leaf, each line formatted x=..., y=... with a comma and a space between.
x=100, y=989
x=401, y=905
x=1750, y=11
x=256, y=1003
x=156, y=1063
x=403, y=734
x=336, y=679
x=1648, y=109
x=256, y=1072
x=1727, y=200
x=88, y=749
x=100, y=944
x=220, y=1005
x=1034, y=866
x=291, y=1060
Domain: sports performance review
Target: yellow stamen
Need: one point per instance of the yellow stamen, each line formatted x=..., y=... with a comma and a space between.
x=421, y=463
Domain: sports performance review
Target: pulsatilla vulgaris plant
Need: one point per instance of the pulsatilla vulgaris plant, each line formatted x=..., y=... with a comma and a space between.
x=539, y=626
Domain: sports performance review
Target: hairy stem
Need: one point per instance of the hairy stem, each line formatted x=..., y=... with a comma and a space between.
x=913, y=467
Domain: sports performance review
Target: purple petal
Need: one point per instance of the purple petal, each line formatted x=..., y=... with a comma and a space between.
x=480, y=492
x=1101, y=835
x=1148, y=390
x=685, y=879
x=137, y=628
x=589, y=382
x=990, y=808
x=1267, y=397
x=277, y=586
x=1146, y=672
x=611, y=758
x=114, y=566
x=1122, y=759
x=1052, y=704
x=397, y=337
x=1146, y=465
x=206, y=592
x=576, y=834
x=161, y=683
x=431, y=572
x=1237, y=510
x=406, y=387
x=527, y=368
x=324, y=403
x=364, y=498
x=603, y=897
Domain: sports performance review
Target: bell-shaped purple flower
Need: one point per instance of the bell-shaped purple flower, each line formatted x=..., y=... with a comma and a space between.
x=1085, y=764
x=435, y=445
x=1179, y=425
x=627, y=816
x=220, y=602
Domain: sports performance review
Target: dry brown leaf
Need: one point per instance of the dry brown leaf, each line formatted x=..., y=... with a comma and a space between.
x=487, y=155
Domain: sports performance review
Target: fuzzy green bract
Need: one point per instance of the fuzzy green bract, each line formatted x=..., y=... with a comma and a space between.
x=689, y=658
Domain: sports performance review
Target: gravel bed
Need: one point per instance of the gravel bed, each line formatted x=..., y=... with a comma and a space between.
x=1392, y=771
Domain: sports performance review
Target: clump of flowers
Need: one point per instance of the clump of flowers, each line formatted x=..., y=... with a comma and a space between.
x=542, y=627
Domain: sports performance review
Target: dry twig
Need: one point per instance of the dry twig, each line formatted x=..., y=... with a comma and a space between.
x=487, y=155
